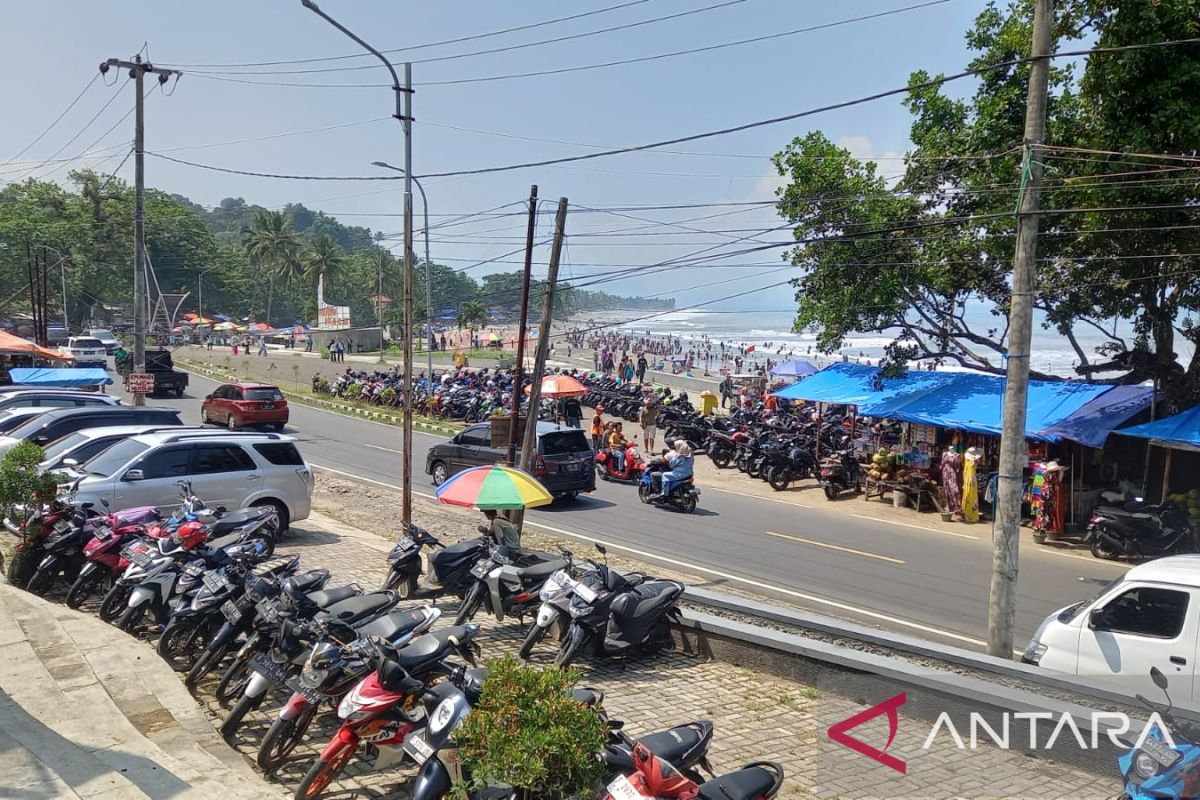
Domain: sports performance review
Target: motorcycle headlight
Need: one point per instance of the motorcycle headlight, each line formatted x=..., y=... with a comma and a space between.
x=580, y=611
x=312, y=678
x=442, y=715
x=1145, y=766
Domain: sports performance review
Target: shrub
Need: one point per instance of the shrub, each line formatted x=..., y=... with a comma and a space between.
x=527, y=732
x=21, y=483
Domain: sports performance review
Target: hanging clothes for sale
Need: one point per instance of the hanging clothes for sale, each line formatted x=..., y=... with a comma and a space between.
x=950, y=484
x=970, y=495
x=1050, y=516
x=1037, y=495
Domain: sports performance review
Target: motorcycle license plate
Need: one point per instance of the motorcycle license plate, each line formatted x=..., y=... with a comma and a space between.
x=1160, y=752
x=230, y=610
x=263, y=665
x=416, y=747
x=215, y=582
x=622, y=789
x=268, y=609
x=404, y=543
x=311, y=695
x=587, y=593
x=137, y=557
x=481, y=569
x=103, y=533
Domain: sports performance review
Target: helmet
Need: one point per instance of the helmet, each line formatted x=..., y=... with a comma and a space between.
x=190, y=535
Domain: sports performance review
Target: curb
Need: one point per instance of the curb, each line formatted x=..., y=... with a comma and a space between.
x=344, y=409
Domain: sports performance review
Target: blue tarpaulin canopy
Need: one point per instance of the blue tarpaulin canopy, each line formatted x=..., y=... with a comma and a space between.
x=1091, y=424
x=1181, y=430
x=796, y=368
x=79, y=376
x=968, y=401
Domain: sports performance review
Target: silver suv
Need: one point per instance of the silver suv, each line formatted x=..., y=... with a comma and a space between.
x=233, y=470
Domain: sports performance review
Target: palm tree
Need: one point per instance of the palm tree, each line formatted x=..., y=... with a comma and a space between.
x=472, y=314
x=272, y=245
x=324, y=261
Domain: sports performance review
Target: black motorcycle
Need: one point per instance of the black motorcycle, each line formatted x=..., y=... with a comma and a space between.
x=1140, y=531
x=508, y=585
x=788, y=461
x=404, y=560
x=683, y=496
x=839, y=473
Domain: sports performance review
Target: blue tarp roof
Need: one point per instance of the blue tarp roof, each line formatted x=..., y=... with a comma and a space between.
x=796, y=368
x=1181, y=430
x=964, y=401
x=76, y=376
x=1095, y=419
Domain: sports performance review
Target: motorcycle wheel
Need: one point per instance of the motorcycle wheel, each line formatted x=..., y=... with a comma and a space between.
x=830, y=492
x=688, y=504
x=322, y=773
x=131, y=617
x=644, y=493
x=720, y=460
x=233, y=722
x=404, y=587
x=233, y=681
x=753, y=469
x=84, y=588
x=208, y=661
x=22, y=567
x=779, y=478
x=535, y=635
x=658, y=640
x=42, y=582
x=568, y=651
x=282, y=738
x=115, y=600
x=740, y=462
x=470, y=606
x=182, y=643
x=1102, y=549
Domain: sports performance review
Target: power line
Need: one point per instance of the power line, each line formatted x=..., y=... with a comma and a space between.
x=57, y=120
x=68, y=143
x=271, y=136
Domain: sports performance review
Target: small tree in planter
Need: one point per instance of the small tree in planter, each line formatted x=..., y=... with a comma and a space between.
x=22, y=484
x=527, y=732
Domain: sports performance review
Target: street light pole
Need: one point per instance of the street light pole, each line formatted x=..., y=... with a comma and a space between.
x=403, y=113
x=428, y=279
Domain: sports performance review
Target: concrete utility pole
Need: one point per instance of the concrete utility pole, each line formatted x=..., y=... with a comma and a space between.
x=403, y=113
x=1002, y=605
x=137, y=70
x=518, y=368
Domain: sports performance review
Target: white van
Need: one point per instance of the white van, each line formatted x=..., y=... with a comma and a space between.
x=1150, y=617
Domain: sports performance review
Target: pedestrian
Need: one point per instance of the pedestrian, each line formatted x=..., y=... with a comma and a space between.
x=648, y=418
x=573, y=411
x=597, y=429
x=641, y=368
x=308, y=343
x=726, y=391
x=209, y=343
x=234, y=343
x=262, y=345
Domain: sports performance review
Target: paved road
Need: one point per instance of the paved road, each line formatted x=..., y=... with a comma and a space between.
x=902, y=577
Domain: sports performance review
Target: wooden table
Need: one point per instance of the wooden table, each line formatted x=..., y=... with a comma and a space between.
x=916, y=497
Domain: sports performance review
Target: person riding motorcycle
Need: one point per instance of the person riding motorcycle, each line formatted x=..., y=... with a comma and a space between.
x=616, y=445
x=679, y=467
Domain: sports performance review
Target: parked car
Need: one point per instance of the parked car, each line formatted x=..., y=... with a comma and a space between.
x=56, y=335
x=81, y=446
x=1149, y=617
x=106, y=338
x=233, y=470
x=18, y=416
x=50, y=426
x=55, y=398
x=245, y=404
x=87, y=351
x=564, y=461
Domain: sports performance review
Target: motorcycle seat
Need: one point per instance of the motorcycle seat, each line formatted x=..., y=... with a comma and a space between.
x=232, y=519
x=306, y=581
x=541, y=571
x=395, y=678
x=358, y=608
x=745, y=784
x=324, y=598
x=647, y=598
x=395, y=625
x=677, y=746
x=588, y=697
x=427, y=649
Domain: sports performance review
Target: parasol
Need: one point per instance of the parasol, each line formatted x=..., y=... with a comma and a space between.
x=493, y=487
x=560, y=386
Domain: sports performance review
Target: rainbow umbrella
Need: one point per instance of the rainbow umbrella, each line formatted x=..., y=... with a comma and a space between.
x=493, y=487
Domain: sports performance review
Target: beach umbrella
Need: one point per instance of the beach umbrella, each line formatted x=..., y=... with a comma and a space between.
x=796, y=368
x=224, y=326
x=493, y=487
x=560, y=386
x=493, y=337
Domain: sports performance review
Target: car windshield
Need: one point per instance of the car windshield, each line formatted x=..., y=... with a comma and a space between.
x=1070, y=613
x=115, y=457
x=56, y=450
x=96, y=343
x=264, y=393
x=103, y=334
x=8, y=421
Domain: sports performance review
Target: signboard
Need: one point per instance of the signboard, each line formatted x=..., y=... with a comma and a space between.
x=141, y=383
x=333, y=317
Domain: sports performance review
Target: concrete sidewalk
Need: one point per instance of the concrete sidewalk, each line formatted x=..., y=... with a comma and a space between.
x=88, y=712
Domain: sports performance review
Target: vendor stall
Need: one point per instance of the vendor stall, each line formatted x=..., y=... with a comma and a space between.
x=68, y=378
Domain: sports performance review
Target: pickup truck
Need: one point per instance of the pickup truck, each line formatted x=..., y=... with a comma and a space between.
x=167, y=379
x=86, y=350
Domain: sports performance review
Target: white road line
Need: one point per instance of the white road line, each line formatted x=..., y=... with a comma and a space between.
x=918, y=527
x=1089, y=559
x=758, y=497
x=385, y=449
x=837, y=547
x=727, y=576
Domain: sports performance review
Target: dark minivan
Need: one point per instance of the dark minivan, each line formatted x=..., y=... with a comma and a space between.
x=564, y=462
x=53, y=425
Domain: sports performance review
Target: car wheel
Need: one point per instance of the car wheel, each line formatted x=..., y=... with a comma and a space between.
x=439, y=473
x=231, y=422
x=279, y=509
x=205, y=419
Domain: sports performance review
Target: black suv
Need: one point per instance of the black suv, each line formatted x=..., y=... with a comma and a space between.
x=53, y=425
x=564, y=462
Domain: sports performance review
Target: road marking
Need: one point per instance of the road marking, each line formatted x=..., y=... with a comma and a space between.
x=1089, y=559
x=839, y=548
x=759, y=497
x=811, y=598
x=385, y=449
x=918, y=527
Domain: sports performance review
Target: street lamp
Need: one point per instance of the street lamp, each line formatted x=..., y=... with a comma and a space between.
x=428, y=281
x=403, y=113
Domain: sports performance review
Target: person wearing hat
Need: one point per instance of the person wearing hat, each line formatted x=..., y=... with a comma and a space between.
x=597, y=429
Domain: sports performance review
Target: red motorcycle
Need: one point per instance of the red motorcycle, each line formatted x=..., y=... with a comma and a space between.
x=381, y=711
x=606, y=465
x=56, y=517
x=103, y=552
x=760, y=780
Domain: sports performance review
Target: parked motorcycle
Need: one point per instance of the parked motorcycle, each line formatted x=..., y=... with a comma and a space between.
x=508, y=585
x=683, y=496
x=38, y=525
x=1156, y=770
x=404, y=572
x=839, y=473
x=1141, y=531
x=657, y=778
x=786, y=462
x=723, y=446
x=102, y=554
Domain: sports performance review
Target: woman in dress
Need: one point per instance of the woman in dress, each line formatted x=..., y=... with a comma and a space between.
x=950, y=485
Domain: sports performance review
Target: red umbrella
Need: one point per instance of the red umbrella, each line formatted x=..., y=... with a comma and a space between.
x=560, y=386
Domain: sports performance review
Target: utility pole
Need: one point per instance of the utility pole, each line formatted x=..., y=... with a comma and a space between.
x=518, y=368
x=137, y=70
x=1002, y=604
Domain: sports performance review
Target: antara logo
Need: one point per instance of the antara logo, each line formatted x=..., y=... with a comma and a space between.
x=891, y=708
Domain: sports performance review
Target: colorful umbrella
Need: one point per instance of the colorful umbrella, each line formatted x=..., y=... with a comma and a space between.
x=560, y=386
x=224, y=326
x=493, y=487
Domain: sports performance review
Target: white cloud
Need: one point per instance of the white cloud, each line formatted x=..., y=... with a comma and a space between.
x=890, y=162
x=766, y=186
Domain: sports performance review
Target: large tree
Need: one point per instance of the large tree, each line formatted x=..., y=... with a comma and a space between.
x=273, y=246
x=920, y=258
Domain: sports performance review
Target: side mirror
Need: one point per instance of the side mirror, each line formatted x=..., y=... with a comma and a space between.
x=457, y=439
x=70, y=462
x=208, y=397
x=1159, y=679
x=133, y=475
x=221, y=509
x=1096, y=620
x=602, y=549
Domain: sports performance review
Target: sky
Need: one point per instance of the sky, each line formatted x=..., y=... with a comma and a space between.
x=211, y=112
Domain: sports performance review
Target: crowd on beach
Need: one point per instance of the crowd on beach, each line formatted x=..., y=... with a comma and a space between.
x=615, y=351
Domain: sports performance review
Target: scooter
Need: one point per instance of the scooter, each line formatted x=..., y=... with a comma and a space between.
x=1149, y=531
x=404, y=560
x=839, y=473
x=683, y=496
x=723, y=446
x=1156, y=770
x=102, y=554
x=508, y=586
x=606, y=465
x=657, y=778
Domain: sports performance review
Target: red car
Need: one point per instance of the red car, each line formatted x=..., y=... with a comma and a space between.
x=237, y=405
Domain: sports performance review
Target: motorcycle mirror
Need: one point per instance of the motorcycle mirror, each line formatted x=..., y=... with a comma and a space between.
x=1159, y=679
x=602, y=549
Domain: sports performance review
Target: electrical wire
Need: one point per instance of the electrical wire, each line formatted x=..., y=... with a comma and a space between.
x=271, y=136
x=70, y=141
x=58, y=119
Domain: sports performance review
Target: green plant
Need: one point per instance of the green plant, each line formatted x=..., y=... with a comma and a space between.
x=21, y=482
x=527, y=732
